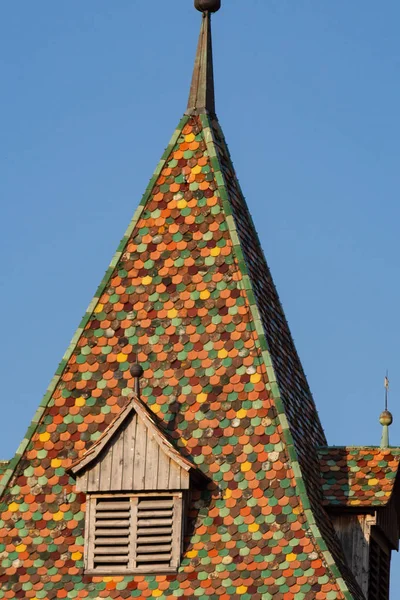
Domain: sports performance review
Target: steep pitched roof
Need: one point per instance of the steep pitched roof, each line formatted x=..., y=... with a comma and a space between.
x=358, y=477
x=188, y=295
x=180, y=298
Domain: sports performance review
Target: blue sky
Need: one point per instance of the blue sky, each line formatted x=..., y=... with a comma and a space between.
x=308, y=96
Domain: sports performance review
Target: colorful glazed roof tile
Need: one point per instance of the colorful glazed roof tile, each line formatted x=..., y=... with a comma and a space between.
x=190, y=297
x=358, y=476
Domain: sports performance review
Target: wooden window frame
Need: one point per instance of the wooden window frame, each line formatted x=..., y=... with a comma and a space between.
x=179, y=502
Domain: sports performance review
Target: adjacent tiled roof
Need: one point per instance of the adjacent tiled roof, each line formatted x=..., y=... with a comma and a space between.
x=358, y=477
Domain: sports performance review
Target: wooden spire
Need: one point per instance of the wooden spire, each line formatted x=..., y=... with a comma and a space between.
x=202, y=96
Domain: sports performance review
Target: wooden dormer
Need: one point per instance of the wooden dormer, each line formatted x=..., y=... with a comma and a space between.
x=137, y=487
x=362, y=495
x=133, y=454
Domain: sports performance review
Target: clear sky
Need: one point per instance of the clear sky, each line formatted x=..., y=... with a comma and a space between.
x=308, y=94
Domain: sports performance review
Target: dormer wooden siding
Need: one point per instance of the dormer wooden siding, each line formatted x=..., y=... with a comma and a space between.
x=132, y=455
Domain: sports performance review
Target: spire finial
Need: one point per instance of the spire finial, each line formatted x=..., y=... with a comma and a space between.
x=202, y=96
x=386, y=418
x=207, y=5
x=137, y=373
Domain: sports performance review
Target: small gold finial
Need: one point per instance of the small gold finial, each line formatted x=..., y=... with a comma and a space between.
x=386, y=418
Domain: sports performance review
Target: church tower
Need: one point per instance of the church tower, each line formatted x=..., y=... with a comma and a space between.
x=178, y=452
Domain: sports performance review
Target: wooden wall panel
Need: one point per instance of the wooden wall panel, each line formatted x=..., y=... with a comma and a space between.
x=354, y=532
x=152, y=460
x=139, y=458
x=133, y=461
x=387, y=521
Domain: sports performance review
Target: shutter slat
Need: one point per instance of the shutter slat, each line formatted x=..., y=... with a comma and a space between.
x=145, y=504
x=156, y=548
x=165, y=558
x=155, y=531
x=153, y=567
x=150, y=540
x=155, y=513
x=112, y=523
x=154, y=522
x=120, y=550
x=109, y=541
x=113, y=515
x=112, y=532
x=105, y=560
x=113, y=505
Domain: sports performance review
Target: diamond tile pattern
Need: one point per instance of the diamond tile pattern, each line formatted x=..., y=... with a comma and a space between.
x=178, y=298
x=358, y=476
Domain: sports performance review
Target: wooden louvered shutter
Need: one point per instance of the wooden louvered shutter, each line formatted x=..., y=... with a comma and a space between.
x=158, y=532
x=110, y=532
x=133, y=533
x=379, y=572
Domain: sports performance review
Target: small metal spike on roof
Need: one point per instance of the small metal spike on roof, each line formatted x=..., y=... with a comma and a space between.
x=137, y=372
x=386, y=418
x=202, y=94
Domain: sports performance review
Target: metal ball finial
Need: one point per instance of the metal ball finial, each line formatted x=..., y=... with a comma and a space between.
x=137, y=370
x=207, y=5
x=386, y=418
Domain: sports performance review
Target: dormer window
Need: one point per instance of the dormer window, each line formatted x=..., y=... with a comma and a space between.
x=134, y=533
x=137, y=487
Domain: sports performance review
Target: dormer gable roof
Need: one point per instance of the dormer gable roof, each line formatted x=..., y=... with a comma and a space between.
x=144, y=436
